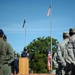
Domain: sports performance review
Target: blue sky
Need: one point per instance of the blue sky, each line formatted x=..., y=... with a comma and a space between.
x=13, y=12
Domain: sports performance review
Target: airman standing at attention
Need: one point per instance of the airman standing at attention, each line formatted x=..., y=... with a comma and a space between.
x=15, y=65
x=2, y=52
x=9, y=57
x=55, y=62
x=71, y=49
x=62, y=54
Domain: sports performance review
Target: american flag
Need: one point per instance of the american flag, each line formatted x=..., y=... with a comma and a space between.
x=49, y=11
x=48, y=59
x=24, y=23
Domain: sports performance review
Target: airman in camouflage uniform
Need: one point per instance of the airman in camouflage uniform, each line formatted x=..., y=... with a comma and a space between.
x=62, y=54
x=55, y=62
x=71, y=49
x=2, y=52
x=9, y=57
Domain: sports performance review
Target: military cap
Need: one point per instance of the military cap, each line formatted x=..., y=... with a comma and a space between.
x=1, y=32
x=66, y=34
x=72, y=30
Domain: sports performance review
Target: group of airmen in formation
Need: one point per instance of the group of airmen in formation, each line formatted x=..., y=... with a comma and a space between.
x=64, y=57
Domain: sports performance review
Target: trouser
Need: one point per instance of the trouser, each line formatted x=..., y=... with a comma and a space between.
x=6, y=69
x=64, y=70
x=59, y=70
x=73, y=69
x=68, y=69
x=15, y=70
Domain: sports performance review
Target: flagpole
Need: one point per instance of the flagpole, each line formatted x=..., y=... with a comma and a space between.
x=51, y=32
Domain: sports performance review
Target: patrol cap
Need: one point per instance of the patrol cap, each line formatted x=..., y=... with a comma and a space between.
x=1, y=32
x=66, y=34
x=72, y=30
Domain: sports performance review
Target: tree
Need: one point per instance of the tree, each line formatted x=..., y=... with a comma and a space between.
x=38, y=50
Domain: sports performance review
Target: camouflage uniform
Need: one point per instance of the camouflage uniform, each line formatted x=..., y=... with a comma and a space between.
x=9, y=58
x=2, y=52
x=55, y=62
x=71, y=49
x=62, y=54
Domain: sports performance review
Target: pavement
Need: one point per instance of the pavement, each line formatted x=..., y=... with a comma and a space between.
x=52, y=72
x=34, y=74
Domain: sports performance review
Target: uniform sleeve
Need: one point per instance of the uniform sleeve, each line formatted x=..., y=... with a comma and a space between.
x=59, y=54
x=10, y=54
x=3, y=53
x=55, y=60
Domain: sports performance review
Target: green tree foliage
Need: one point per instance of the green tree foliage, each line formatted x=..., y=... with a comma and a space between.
x=38, y=50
